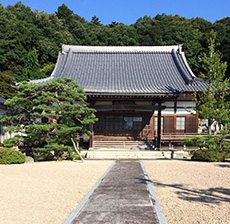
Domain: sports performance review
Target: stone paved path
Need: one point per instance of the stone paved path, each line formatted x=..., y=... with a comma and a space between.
x=121, y=197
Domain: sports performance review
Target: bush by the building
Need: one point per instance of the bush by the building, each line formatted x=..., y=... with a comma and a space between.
x=211, y=148
x=208, y=155
x=10, y=156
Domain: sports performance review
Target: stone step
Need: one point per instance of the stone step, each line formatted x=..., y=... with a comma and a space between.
x=132, y=145
x=120, y=142
x=134, y=154
x=115, y=144
x=123, y=154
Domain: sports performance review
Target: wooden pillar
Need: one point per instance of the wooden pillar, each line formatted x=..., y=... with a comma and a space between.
x=159, y=127
x=175, y=105
x=91, y=136
x=91, y=130
x=153, y=126
x=153, y=123
x=175, y=112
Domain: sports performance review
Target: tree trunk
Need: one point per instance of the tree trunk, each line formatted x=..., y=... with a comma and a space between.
x=209, y=127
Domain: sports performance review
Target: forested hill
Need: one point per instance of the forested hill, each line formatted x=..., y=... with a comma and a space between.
x=30, y=40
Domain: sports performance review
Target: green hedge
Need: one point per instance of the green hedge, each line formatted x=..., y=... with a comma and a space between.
x=208, y=155
x=10, y=156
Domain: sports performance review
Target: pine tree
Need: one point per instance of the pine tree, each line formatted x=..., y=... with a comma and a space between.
x=211, y=103
x=47, y=116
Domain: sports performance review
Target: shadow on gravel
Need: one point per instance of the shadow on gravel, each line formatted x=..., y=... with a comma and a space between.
x=223, y=165
x=210, y=195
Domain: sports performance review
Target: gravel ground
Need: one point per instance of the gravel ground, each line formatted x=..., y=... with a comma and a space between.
x=45, y=192
x=191, y=192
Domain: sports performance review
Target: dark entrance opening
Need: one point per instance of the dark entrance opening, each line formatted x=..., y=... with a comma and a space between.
x=123, y=122
x=123, y=126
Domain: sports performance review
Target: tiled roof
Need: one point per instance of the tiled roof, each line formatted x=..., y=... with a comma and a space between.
x=127, y=70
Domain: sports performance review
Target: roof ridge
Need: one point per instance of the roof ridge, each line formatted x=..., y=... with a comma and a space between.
x=121, y=49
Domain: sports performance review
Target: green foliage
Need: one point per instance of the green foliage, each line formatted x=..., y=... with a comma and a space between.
x=211, y=148
x=95, y=20
x=55, y=152
x=52, y=32
x=58, y=150
x=13, y=141
x=31, y=65
x=49, y=115
x=208, y=155
x=223, y=37
x=10, y=156
x=18, y=35
x=212, y=103
x=22, y=31
x=47, y=69
x=42, y=156
x=64, y=12
x=205, y=141
x=72, y=155
x=6, y=90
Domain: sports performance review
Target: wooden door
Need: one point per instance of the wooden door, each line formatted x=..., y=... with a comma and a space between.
x=191, y=124
x=168, y=125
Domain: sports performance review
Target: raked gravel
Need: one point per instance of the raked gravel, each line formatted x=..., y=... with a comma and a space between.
x=45, y=192
x=191, y=192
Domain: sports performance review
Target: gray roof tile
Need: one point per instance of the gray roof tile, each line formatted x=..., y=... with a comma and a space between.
x=127, y=70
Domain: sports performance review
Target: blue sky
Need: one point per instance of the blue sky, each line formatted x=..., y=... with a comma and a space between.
x=128, y=11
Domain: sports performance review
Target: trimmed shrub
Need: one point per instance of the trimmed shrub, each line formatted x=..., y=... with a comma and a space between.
x=208, y=155
x=10, y=156
x=212, y=148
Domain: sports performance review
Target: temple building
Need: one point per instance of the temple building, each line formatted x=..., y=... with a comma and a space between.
x=140, y=93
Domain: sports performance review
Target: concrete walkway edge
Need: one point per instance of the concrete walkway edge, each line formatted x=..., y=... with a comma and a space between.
x=159, y=212
x=86, y=198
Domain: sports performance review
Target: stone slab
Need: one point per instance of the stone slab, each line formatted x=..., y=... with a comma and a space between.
x=121, y=197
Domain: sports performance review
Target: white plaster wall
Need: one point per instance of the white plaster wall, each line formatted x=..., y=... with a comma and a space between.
x=165, y=111
x=168, y=104
x=184, y=111
x=188, y=104
x=5, y=135
x=179, y=111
